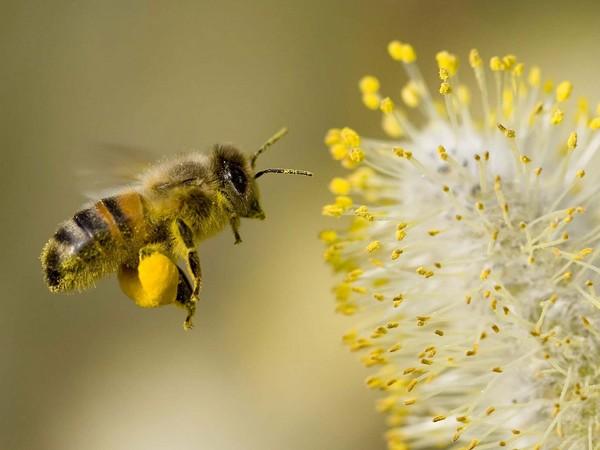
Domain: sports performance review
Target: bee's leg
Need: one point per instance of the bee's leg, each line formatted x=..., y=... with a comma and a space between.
x=234, y=221
x=185, y=237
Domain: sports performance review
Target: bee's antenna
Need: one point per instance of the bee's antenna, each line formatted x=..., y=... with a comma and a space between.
x=284, y=171
x=281, y=133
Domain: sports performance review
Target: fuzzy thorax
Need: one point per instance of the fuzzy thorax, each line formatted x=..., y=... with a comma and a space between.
x=469, y=254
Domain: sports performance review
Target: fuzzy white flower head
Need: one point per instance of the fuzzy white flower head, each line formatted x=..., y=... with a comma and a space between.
x=470, y=255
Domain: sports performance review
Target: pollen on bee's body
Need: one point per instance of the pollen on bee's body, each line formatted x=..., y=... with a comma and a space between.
x=490, y=298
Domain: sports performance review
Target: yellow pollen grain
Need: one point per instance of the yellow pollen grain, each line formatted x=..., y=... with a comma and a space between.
x=572, y=141
x=438, y=418
x=563, y=91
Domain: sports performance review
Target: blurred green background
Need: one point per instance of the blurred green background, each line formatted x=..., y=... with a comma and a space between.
x=264, y=368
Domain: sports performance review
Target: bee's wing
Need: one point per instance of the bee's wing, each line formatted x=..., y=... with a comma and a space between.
x=111, y=168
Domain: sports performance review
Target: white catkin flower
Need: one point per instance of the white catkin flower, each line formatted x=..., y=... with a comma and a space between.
x=468, y=255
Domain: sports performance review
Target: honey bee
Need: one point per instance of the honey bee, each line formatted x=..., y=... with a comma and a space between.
x=142, y=231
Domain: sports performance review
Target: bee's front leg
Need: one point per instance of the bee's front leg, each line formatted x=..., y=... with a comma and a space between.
x=234, y=221
x=184, y=239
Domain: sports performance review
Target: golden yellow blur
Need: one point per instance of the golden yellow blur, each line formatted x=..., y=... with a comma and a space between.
x=264, y=368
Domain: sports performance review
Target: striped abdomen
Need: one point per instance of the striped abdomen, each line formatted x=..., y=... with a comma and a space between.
x=94, y=242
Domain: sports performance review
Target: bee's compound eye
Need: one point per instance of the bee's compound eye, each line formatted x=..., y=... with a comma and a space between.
x=238, y=178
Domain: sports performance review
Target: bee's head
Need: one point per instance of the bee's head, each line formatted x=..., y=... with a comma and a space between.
x=237, y=179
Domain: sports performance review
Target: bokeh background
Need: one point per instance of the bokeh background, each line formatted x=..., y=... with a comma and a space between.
x=264, y=368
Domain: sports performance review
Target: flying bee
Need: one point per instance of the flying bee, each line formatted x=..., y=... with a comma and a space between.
x=143, y=231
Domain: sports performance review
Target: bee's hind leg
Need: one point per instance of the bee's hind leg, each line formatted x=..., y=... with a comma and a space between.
x=183, y=236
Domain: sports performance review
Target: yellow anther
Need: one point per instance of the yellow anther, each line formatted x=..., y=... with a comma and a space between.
x=474, y=58
x=391, y=125
x=338, y=151
x=401, y=52
x=369, y=84
x=535, y=76
x=439, y=332
x=394, y=348
x=387, y=105
x=402, y=153
x=411, y=385
x=496, y=64
x=580, y=173
x=507, y=132
x=408, y=54
x=519, y=69
x=463, y=94
x=350, y=137
x=447, y=61
x=443, y=74
x=357, y=155
x=445, y=88
x=333, y=136
x=572, y=141
x=328, y=236
x=426, y=273
x=396, y=253
x=509, y=61
x=496, y=328
x=497, y=370
x=548, y=86
x=410, y=94
x=480, y=206
x=373, y=246
x=438, y=418
x=557, y=117
x=339, y=186
x=371, y=101
x=595, y=123
x=343, y=201
x=525, y=159
x=410, y=401
x=353, y=275
x=433, y=232
x=442, y=154
x=537, y=171
x=332, y=210
x=563, y=91
x=474, y=443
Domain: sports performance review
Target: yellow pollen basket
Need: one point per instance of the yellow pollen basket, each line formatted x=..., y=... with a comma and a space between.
x=153, y=284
